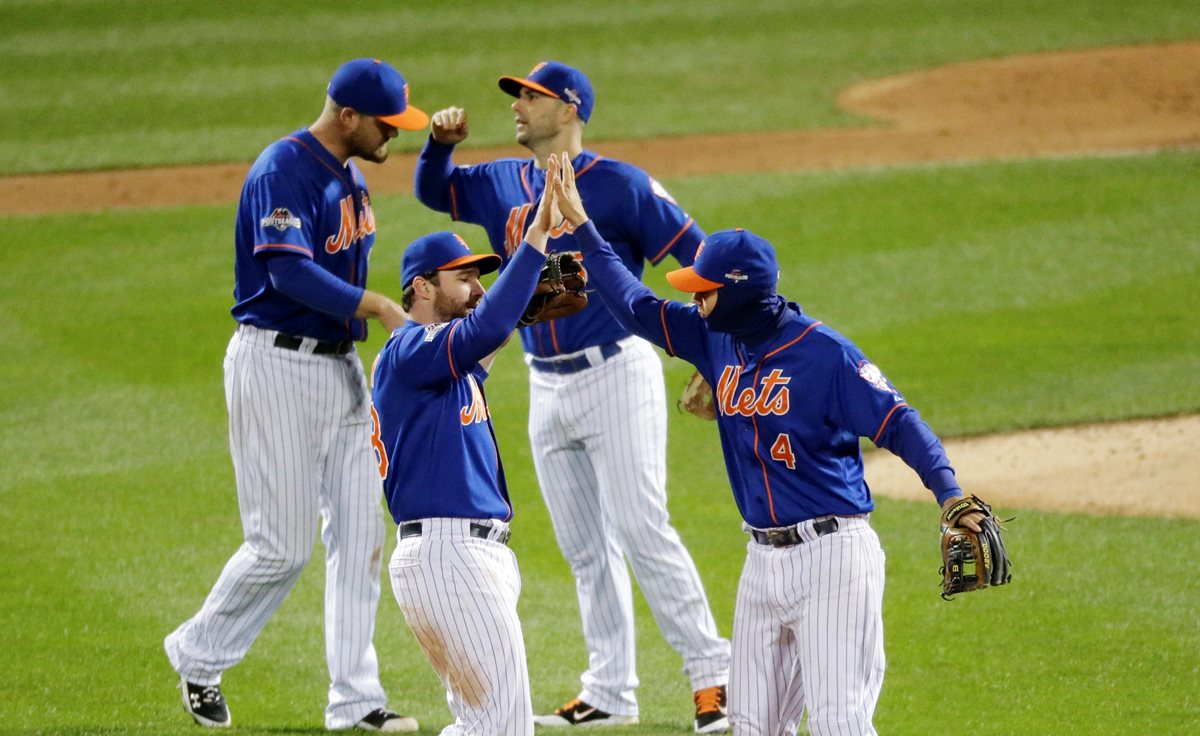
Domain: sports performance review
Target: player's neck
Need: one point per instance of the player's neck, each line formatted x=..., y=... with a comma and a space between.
x=572, y=144
x=327, y=134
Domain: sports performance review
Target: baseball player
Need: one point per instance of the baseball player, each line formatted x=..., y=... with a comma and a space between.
x=454, y=578
x=793, y=398
x=597, y=419
x=299, y=408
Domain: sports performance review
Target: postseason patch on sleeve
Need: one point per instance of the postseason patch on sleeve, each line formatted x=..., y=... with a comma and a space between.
x=281, y=219
x=870, y=373
x=431, y=331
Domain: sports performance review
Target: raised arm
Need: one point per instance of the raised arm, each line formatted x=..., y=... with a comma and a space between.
x=434, y=170
x=673, y=326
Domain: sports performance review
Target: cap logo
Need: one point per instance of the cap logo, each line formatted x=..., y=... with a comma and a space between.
x=462, y=242
x=406, y=95
x=280, y=219
x=537, y=68
x=737, y=275
x=572, y=95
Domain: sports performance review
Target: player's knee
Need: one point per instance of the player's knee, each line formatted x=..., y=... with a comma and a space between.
x=277, y=563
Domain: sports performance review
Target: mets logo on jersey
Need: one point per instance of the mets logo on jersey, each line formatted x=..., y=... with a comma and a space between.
x=476, y=411
x=514, y=230
x=870, y=373
x=353, y=226
x=281, y=219
x=773, y=398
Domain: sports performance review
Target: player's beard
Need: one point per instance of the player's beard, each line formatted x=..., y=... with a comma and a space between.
x=378, y=155
x=447, y=309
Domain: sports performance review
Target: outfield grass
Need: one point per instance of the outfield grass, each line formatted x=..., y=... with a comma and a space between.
x=1066, y=298
x=111, y=83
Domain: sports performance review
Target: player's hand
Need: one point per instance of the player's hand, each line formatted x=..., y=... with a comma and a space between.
x=548, y=214
x=449, y=126
x=569, y=201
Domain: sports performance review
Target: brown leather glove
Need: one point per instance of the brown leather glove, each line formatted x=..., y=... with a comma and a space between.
x=697, y=398
x=560, y=291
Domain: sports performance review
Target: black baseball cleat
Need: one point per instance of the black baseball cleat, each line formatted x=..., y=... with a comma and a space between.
x=206, y=704
x=711, y=716
x=387, y=721
x=579, y=713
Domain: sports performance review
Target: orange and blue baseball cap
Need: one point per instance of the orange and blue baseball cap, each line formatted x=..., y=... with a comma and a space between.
x=374, y=87
x=557, y=80
x=442, y=251
x=736, y=258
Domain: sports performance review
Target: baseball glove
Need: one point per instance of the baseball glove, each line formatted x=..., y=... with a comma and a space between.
x=697, y=398
x=560, y=290
x=970, y=560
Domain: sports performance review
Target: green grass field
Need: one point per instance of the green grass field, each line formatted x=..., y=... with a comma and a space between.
x=996, y=295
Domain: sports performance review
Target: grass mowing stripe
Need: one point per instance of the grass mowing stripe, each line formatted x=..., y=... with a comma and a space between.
x=108, y=83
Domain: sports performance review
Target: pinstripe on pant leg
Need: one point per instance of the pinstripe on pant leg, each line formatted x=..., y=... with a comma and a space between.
x=614, y=414
x=459, y=598
x=761, y=675
x=277, y=497
x=602, y=585
x=631, y=472
x=840, y=626
x=353, y=536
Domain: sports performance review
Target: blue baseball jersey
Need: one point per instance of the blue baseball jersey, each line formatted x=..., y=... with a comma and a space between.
x=632, y=211
x=437, y=446
x=298, y=199
x=790, y=411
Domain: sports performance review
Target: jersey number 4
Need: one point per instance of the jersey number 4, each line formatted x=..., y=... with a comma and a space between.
x=782, y=451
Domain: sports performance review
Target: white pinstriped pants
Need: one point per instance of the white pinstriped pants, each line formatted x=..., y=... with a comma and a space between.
x=599, y=440
x=808, y=631
x=300, y=437
x=459, y=596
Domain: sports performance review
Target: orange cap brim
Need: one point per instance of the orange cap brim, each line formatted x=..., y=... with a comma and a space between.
x=410, y=119
x=512, y=86
x=686, y=279
x=485, y=262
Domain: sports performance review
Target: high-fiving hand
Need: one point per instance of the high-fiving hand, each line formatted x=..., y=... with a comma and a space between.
x=548, y=214
x=568, y=199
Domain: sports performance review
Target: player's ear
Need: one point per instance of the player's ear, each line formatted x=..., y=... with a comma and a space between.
x=348, y=117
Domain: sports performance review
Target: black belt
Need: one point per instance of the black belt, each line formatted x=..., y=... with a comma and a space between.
x=575, y=364
x=482, y=531
x=790, y=535
x=291, y=342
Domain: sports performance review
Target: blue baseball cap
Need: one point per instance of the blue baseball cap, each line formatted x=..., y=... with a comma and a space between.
x=374, y=87
x=557, y=80
x=729, y=258
x=444, y=251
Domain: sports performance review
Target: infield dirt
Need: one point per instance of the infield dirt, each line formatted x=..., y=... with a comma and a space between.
x=1109, y=100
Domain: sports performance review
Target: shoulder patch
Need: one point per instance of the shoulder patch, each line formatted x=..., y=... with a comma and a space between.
x=431, y=331
x=281, y=219
x=660, y=191
x=870, y=373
